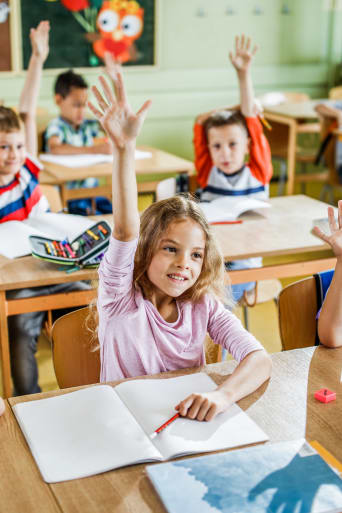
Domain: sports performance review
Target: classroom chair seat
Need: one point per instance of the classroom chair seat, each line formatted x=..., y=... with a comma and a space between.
x=298, y=304
x=264, y=291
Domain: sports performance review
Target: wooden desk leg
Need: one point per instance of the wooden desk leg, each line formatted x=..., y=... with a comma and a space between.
x=291, y=157
x=63, y=190
x=4, y=347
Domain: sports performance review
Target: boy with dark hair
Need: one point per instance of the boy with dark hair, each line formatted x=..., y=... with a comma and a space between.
x=72, y=134
x=20, y=198
x=222, y=139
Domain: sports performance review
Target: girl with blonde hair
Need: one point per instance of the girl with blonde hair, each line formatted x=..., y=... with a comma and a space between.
x=161, y=282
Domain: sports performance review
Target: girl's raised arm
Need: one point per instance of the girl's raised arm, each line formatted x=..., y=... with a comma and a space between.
x=122, y=127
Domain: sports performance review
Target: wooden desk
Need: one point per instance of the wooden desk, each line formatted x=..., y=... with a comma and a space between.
x=159, y=163
x=283, y=230
x=285, y=409
x=288, y=120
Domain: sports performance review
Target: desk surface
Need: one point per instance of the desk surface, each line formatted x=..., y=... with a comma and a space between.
x=284, y=408
x=283, y=229
x=300, y=110
x=161, y=162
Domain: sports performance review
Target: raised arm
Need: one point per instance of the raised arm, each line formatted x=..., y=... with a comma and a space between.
x=330, y=319
x=28, y=100
x=122, y=127
x=241, y=59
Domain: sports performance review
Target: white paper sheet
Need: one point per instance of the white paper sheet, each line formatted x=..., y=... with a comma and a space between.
x=85, y=160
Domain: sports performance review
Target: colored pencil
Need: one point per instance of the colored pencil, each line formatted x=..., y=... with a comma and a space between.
x=163, y=426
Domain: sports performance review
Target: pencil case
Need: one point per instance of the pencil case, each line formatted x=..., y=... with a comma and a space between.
x=85, y=251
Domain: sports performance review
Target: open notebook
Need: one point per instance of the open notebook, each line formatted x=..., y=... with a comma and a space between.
x=101, y=428
x=14, y=235
x=230, y=208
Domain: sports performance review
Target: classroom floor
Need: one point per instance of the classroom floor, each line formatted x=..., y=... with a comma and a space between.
x=267, y=332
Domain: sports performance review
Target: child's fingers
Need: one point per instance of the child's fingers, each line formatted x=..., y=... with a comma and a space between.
x=332, y=220
x=120, y=89
x=99, y=98
x=255, y=49
x=339, y=204
x=142, y=112
x=317, y=231
x=248, y=44
x=107, y=91
x=94, y=110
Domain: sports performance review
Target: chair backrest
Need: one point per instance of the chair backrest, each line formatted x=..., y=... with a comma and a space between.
x=298, y=307
x=74, y=361
x=54, y=198
x=335, y=93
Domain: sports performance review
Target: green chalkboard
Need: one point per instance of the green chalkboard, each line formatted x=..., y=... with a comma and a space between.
x=72, y=31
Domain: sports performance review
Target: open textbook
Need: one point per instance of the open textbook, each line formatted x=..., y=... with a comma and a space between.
x=101, y=428
x=85, y=160
x=272, y=478
x=14, y=235
x=230, y=208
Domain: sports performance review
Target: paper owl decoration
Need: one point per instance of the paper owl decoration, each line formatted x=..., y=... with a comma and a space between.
x=119, y=23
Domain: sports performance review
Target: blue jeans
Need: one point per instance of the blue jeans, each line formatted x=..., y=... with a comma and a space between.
x=24, y=330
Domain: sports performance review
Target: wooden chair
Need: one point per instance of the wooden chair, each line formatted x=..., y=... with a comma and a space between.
x=335, y=93
x=298, y=306
x=74, y=359
x=304, y=156
x=75, y=362
x=52, y=194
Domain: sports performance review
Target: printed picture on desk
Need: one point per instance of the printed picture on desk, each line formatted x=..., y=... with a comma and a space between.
x=83, y=30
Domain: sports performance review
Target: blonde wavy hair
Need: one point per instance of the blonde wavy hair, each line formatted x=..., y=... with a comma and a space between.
x=153, y=223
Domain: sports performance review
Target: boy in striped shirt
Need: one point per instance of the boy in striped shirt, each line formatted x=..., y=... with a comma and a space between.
x=222, y=139
x=21, y=198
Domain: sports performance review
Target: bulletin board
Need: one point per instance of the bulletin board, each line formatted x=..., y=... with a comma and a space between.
x=5, y=40
x=81, y=30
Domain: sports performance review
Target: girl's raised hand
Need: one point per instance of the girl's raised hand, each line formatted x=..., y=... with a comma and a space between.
x=203, y=406
x=115, y=114
x=40, y=40
x=335, y=237
x=243, y=56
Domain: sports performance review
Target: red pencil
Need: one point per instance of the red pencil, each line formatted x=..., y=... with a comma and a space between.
x=163, y=426
x=237, y=221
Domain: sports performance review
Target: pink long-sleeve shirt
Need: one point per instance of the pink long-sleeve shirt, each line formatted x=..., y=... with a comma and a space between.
x=136, y=340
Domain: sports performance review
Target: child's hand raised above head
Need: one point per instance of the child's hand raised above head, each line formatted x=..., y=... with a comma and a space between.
x=335, y=237
x=40, y=40
x=112, y=66
x=243, y=56
x=115, y=114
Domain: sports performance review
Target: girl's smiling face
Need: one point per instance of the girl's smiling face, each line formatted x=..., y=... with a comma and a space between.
x=178, y=259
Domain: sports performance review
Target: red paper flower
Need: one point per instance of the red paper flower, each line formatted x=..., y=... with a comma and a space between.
x=75, y=5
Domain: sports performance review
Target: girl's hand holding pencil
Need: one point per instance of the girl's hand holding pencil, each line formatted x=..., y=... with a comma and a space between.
x=204, y=406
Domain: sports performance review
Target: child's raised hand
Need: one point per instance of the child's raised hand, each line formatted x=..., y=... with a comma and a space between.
x=40, y=40
x=115, y=114
x=112, y=66
x=243, y=56
x=203, y=406
x=335, y=237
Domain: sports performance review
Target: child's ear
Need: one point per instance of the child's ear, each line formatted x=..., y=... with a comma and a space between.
x=58, y=99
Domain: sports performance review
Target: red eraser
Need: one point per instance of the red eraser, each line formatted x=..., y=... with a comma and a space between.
x=325, y=395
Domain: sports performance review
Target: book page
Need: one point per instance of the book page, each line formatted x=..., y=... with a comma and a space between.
x=86, y=159
x=14, y=235
x=230, y=208
x=152, y=403
x=82, y=433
